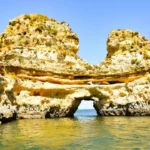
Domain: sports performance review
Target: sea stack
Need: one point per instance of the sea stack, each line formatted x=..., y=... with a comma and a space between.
x=41, y=75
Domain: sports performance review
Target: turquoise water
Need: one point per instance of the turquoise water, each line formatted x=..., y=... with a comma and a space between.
x=85, y=131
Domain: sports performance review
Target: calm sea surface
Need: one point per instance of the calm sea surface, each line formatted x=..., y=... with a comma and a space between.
x=85, y=131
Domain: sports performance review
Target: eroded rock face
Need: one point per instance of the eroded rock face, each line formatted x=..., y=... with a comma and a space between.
x=42, y=76
x=127, y=62
x=127, y=58
x=39, y=51
x=8, y=109
x=126, y=99
x=39, y=43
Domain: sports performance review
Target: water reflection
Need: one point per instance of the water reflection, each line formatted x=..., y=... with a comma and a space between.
x=77, y=133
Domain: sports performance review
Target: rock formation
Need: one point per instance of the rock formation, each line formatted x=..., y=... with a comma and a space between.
x=42, y=76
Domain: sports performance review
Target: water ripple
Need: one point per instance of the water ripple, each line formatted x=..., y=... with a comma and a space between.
x=81, y=133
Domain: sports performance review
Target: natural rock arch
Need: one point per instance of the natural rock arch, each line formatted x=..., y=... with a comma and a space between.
x=42, y=76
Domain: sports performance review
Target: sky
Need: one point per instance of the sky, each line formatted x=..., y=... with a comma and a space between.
x=91, y=20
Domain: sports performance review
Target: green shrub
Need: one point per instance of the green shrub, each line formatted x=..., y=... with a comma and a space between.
x=13, y=23
x=26, y=16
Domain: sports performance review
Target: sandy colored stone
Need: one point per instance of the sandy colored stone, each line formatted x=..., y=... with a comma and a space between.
x=43, y=77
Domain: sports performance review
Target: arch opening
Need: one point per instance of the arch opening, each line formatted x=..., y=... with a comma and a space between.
x=86, y=108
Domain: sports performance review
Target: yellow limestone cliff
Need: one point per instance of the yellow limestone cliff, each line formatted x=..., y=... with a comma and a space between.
x=42, y=76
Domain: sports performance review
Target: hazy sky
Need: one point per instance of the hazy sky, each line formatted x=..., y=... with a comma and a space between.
x=91, y=20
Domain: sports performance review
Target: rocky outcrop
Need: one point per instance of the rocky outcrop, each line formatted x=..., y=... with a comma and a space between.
x=127, y=58
x=38, y=54
x=42, y=76
x=127, y=62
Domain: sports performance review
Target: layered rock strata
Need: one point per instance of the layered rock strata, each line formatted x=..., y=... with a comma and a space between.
x=42, y=76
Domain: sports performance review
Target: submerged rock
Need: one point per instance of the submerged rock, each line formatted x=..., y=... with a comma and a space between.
x=42, y=76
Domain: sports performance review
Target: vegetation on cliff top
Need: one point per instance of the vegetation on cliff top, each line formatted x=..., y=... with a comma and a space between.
x=37, y=30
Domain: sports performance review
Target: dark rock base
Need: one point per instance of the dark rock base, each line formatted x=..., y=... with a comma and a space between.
x=7, y=113
x=130, y=109
x=33, y=111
